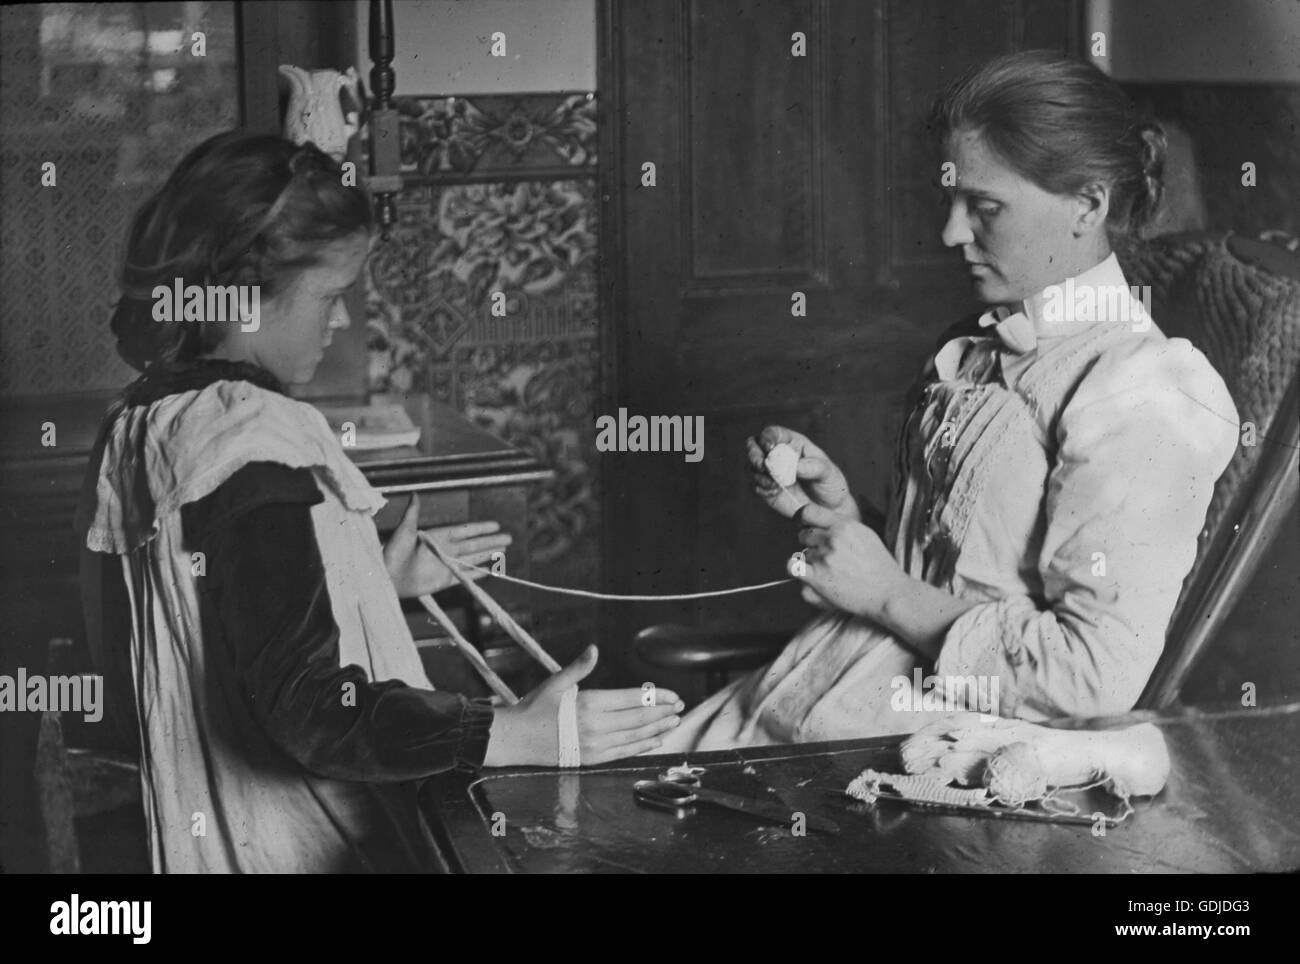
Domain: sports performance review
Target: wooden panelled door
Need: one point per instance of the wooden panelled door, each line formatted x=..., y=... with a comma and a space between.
x=778, y=172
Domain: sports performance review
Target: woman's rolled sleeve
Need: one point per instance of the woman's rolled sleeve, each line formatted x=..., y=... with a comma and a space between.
x=1139, y=447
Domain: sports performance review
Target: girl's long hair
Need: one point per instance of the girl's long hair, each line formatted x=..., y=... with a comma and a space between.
x=240, y=209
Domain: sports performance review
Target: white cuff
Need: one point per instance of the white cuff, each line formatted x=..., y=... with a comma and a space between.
x=567, y=728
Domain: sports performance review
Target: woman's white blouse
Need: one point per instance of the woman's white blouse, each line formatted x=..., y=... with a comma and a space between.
x=1089, y=507
x=1055, y=472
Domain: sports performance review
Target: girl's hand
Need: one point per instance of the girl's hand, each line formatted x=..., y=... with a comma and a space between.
x=818, y=477
x=416, y=571
x=845, y=565
x=611, y=723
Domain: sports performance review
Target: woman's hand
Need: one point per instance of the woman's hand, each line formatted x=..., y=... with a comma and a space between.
x=416, y=571
x=611, y=723
x=818, y=477
x=845, y=566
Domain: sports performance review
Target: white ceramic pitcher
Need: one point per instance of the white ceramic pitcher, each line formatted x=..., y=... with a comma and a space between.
x=316, y=110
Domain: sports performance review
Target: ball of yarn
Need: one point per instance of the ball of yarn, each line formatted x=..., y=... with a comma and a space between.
x=782, y=464
x=1015, y=775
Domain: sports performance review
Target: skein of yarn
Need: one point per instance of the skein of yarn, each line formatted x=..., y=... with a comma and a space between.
x=1014, y=775
x=1132, y=761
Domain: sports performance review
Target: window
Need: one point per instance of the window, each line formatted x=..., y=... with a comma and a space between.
x=98, y=101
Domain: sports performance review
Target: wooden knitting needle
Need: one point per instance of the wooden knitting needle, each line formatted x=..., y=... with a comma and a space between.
x=476, y=659
x=503, y=618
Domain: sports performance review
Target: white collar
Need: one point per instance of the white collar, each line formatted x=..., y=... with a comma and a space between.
x=1100, y=294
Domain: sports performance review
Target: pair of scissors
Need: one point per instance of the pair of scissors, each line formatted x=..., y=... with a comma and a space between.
x=678, y=789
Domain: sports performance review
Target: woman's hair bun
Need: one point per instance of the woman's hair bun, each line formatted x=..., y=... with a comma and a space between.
x=1063, y=124
x=1154, y=147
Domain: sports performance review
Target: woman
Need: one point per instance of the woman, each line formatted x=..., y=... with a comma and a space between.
x=1053, y=473
x=234, y=581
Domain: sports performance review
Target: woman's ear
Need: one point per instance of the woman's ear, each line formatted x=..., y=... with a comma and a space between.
x=1092, y=207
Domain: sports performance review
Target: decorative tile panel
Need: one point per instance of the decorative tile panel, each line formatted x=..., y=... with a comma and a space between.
x=452, y=137
x=500, y=196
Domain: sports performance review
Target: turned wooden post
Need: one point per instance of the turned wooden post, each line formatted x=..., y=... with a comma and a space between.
x=385, y=147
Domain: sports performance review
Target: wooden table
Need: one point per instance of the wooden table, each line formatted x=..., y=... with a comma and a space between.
x=453, y=454
x=1230, y=806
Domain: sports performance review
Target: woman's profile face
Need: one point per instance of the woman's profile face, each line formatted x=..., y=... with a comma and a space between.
x=297, y=324
x=1015, y=237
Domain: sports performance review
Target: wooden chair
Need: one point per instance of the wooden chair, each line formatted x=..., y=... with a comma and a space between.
x=75, y=784
x=1238, y=301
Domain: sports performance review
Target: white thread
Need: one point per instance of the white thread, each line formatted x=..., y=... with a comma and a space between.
x=567, y=728
x=614, y=596
x=494, y=608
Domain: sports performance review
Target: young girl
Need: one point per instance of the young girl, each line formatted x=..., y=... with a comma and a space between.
x=1054, y=471
x=234, y=583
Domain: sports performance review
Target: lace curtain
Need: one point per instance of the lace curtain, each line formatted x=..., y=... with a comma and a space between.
x=113, y=95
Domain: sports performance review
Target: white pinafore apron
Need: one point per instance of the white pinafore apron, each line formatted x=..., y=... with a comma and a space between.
x=208, y=808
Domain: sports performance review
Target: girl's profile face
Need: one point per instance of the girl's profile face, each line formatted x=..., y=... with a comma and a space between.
x=297, y=324
x=1015, y=237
